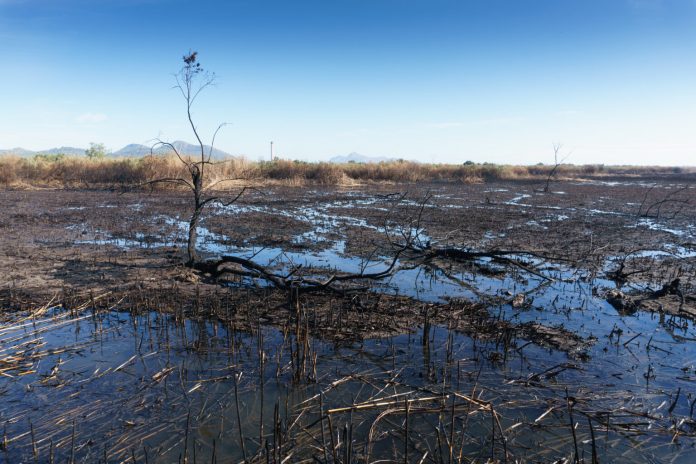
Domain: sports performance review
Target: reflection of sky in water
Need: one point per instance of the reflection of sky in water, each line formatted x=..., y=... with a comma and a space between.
x=422, y=283
x=637, y=362
x=108, y=362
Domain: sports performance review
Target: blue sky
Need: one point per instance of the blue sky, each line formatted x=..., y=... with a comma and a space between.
x=431, y=80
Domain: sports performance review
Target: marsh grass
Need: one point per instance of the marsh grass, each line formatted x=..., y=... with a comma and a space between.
x=80, y=172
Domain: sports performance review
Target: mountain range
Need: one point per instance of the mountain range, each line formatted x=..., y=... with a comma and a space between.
x=71, y=151
x=184, y=148
x=133, y=150
x=136, y=150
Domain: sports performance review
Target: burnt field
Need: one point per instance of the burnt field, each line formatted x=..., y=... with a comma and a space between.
x=385, y=322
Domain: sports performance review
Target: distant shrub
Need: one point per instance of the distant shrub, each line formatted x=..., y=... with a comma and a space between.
x=49, y=158
x=325, y=173
x=591, y=169
x=281, y=169
x=96, y=151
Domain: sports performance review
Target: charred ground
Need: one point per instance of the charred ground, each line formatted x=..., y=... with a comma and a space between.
x=508, y=292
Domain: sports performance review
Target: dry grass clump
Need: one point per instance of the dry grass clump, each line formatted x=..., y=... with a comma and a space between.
x=409, y=171
x=70, y=172
x=8, y=171
x=60, y=171
x=299, y=172
x=398, y=171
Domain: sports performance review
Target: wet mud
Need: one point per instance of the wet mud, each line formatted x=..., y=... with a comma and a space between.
x=587, y=319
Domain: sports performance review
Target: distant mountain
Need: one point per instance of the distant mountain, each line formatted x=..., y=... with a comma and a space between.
x=134, y=150
x=358, y=158
x=70, y=151
x=184, y=149
x=17, y=151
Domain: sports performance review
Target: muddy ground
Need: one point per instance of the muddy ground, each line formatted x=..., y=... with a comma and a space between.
x=95, y=241
x=128, y=246
x=595, y=295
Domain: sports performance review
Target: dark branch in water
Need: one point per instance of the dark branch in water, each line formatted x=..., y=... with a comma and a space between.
x=293, y=282
x=409, y=250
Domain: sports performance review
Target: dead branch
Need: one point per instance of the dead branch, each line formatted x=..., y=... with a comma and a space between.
x=159, y=143
x=657, y=205
x=212, y=143
x=293, y=280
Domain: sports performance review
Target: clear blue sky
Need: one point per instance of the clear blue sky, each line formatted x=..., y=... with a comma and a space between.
x=432, y=80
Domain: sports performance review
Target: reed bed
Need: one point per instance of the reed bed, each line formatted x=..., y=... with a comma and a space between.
x=80, y=172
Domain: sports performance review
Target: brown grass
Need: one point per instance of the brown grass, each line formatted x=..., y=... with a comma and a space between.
x=79, y=172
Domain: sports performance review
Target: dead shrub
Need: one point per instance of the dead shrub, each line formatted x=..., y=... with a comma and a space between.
x=325, y=174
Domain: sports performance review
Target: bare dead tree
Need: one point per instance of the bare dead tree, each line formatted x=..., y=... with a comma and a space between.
x=556, y=164
x=191, y=80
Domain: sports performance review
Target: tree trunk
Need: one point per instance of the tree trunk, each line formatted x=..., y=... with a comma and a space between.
x=193, y=236
x=197, y=179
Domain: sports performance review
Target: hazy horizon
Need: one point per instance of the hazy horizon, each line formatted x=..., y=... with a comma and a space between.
x=438, y=81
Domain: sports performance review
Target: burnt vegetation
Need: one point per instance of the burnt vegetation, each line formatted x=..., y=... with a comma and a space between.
x=189, y=309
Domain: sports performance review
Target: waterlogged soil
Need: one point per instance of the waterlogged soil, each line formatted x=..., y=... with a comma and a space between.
x=591, y=323
x=94, y=241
